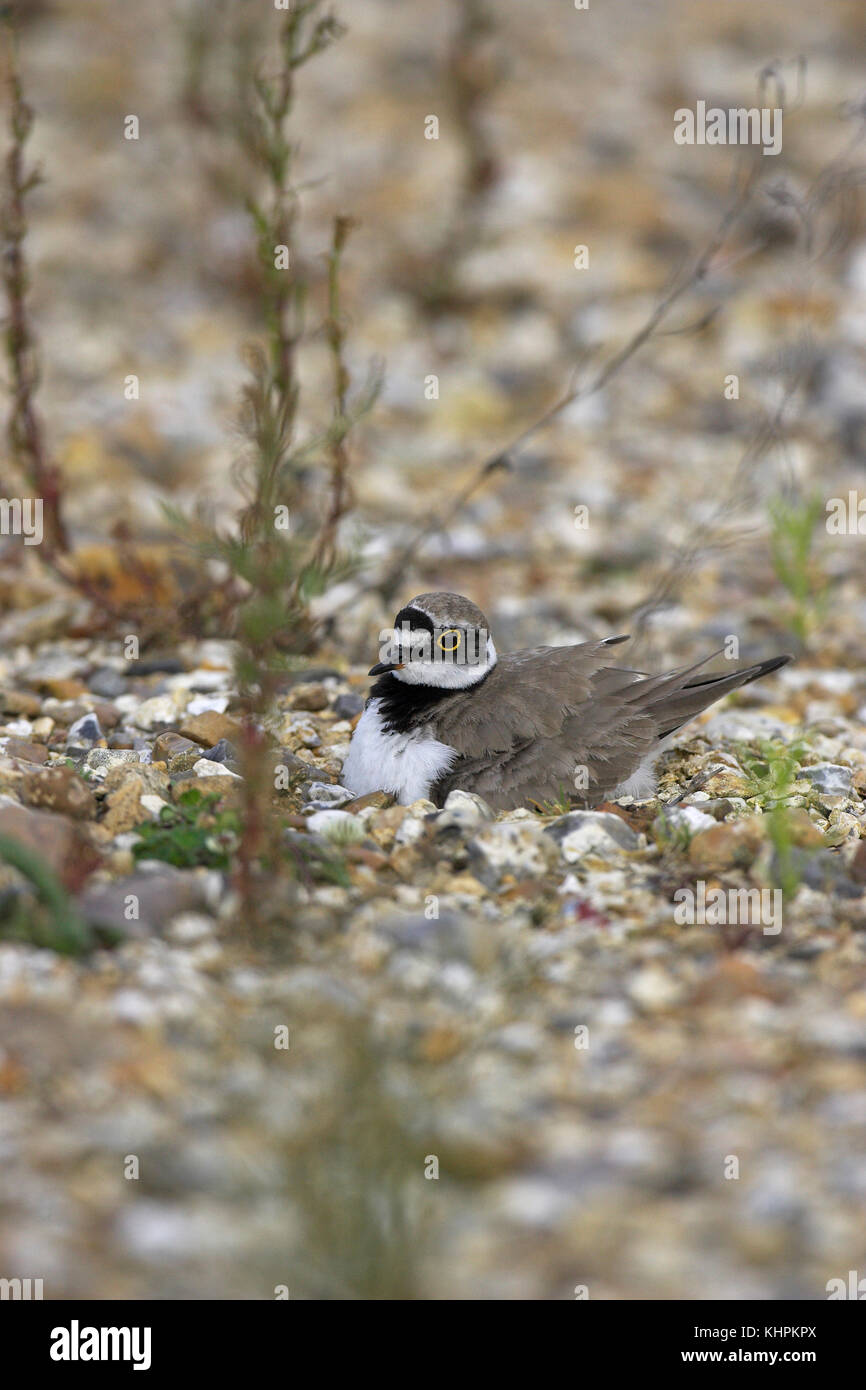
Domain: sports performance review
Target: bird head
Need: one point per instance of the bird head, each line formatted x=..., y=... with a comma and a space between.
x=438, y=639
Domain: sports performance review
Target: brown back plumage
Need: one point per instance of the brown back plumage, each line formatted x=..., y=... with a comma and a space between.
x=542, y=713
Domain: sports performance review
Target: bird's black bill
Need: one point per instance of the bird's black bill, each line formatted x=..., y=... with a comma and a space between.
x=382, y=666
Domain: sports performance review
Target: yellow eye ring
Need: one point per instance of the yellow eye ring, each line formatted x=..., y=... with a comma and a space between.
x=449, y=632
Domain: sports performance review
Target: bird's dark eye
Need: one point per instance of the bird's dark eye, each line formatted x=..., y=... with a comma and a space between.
x=449, y=640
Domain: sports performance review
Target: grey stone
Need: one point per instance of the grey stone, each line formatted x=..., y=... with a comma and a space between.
x=463, y=810
x=156, y=665
x=688, y=819
x=99, y=760
x=830, y=778
x=107, y=682
x=203, y=767
x=298, y=769
x=450, y=936
x=160, y=897
x=583, y=832
x=340, y=825
x=223, y=752
x=84, y=733
x=325, y=797
x=347, y=706
x=521, y=849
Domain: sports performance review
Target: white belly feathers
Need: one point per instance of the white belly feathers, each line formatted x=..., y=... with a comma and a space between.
x=406, y=765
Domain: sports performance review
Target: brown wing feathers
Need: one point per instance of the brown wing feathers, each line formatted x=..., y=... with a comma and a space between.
x=552, y=709
x=673, y=701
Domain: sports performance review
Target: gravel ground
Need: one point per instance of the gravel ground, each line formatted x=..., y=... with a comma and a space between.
x=488, y=1062
x=468, y=1056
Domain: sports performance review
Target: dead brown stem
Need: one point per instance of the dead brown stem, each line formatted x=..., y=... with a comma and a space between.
x=23, y=427
x=340, y=501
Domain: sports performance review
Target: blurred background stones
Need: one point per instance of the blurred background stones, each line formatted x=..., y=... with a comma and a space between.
x=577, y=1068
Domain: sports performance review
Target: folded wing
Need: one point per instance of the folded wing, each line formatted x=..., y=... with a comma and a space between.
x=557, y=721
